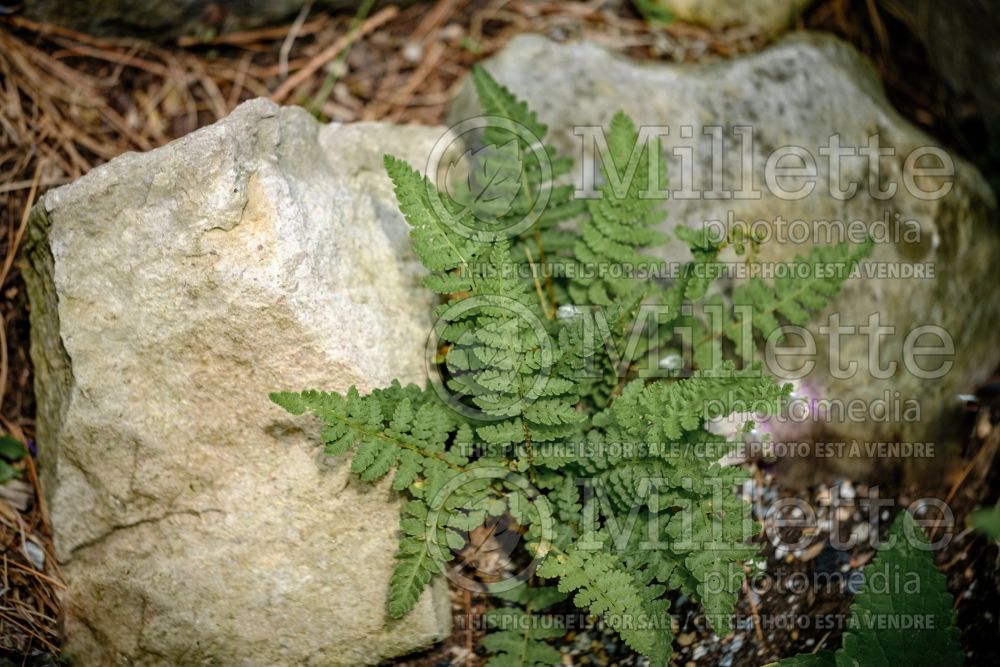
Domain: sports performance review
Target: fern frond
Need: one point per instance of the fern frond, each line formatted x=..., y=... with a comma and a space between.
x=397, y=426
x=621, y=223
x=415, y=566
x=437, y=232
x=603, y=585
x=711, y=532
x=663, y=412
x=601, y=346
x=757, y=304
x=520, y=634
x=539, y=199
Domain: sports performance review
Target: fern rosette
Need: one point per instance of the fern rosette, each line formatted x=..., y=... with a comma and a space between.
x=542, y=415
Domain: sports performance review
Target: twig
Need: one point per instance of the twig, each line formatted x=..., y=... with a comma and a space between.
x=35, y=573
x=441, y=10
x=434, y=54
x=538, y=285
x=332, y=51
x=238, y=81
x=216, y=101
x=25, y=216
x=21, y=185
x=319, y=99
x=754, y=615
x=47, y=29
x=878, y=26
x=253, y=36
x=469, y=652
x=116, y=57
x=31, y=632
x=3, y=358
x=991, y=446
x=293, y=33
x=43, y=510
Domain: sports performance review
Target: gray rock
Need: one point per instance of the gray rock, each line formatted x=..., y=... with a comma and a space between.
x=763, y=16
x=195, y=522
x=799, y=92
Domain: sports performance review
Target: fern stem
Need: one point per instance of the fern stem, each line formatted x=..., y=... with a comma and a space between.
x=538, y=286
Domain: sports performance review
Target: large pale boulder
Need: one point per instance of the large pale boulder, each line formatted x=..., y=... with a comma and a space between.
x=799, y=93
x=196, y=524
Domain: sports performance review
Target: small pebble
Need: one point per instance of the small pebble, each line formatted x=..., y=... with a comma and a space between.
x=452, y=32
x=35, y=554
x=413, y=52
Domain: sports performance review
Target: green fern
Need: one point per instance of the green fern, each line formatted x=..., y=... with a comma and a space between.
x=757, y=305
x=620, y=224
x=514, y=155
x=415, y=565
x=397, y=427
x=551, y=376
x=518, y=639
x=605, y=587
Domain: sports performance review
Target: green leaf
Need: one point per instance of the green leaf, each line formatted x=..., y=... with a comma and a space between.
x=654, y=12
x=987, y=521
x=436, y=220
x=7, y=473
x=819, y=659
x=902, y=589
x=757, y=304
x=292, y=402
x=497, y=100
x=11, y=448
x=622, y=221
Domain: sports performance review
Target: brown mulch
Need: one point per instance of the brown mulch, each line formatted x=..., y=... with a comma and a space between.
x=70, y=101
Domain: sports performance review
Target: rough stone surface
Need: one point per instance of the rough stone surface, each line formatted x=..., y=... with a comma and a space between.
x=798, y=92
x=195, y=521
x=766, y=16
